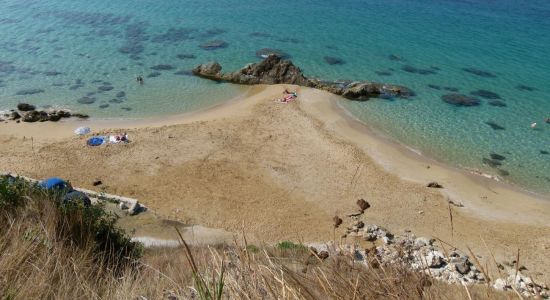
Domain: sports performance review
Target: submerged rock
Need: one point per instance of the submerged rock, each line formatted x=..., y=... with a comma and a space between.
x=497, y=156
x=383, y=73
x=479, y=72
x=29, y=92
x=162, y=67
x=86, y=100
x=486, y=94
x=494, y=125
x=450, y=89
x=333, y=60
x=213, y=45
x=105, y=88
x=154, y=74
x=433, y=86
x=491, y=162
x=394, y=57
x=275, y=70
x=460, y=100
x=522, y=87
x=120, y=94
x=186, y=56
x=497, y=103
x=544, y=152
x=184, y=72
x=414, y=70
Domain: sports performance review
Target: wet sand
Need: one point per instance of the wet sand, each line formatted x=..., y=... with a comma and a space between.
x=281, y=172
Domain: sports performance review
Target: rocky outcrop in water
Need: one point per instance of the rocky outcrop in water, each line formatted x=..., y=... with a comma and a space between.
x=28, y=113
x=275, y=70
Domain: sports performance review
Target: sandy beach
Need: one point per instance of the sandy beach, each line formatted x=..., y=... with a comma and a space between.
x=281, y=172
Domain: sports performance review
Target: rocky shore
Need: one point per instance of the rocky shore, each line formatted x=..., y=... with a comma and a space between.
x=375, y=246
x=28, y=113
x=276, y=70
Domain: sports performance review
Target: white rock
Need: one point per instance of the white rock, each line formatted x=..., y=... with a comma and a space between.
x=434, y=259
x=500, y=284
x=122, y=206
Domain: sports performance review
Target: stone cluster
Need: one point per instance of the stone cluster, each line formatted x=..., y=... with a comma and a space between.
x=28, y=113
x=276, y=70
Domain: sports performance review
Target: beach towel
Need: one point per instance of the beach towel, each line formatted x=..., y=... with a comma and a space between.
x=96, y=141
x=82, y=130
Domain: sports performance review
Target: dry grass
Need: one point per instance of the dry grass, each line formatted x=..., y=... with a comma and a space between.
x=44, y=255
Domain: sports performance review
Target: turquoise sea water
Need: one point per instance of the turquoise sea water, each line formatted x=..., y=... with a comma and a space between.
x=64, y=50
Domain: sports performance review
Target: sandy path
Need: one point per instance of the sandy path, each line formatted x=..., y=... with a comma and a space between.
x=277, y=170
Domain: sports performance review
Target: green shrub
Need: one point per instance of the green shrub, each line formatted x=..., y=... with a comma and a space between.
x=288, y=245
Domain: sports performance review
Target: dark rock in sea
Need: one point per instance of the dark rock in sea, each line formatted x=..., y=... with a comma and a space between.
x=103, y=106
x=152, y=54
x=486, y=94
x=116, y=100
x=186, y=56
x=502, y=172
x=105, y=88
x=383, y=73
x=274, y=70
x=79, y=81
x=289, y=40
x=525, y=88
x=265, y=52
x=162, y=67
x=120, y=94
x=491, y=162
x=497, y=156
x=58, y=84
x=331, y=47
x=154, y=74
x=213, y=45
x=333, y=60
x=135, y=57
x=480, y=73
x=460, y=100
x=75, y=87
x=184, y=73
x=126, y=108
x=86, y=100
x=433, y=86
x=213, y=32
x=414, y=70
x=395, y=57
x=29, y=92
x=260, y=34
x=496, y=103
x=90, y=94
x=174, y=35
x=435, y=68
x=25, y=107
x=494, y=125
x=544, y=152
x=123, y=69
x=52, y=73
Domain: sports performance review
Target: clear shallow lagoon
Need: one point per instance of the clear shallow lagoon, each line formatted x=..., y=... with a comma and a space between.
x=49, y=45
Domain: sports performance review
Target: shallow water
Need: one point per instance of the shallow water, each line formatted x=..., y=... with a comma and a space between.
x=47, y=46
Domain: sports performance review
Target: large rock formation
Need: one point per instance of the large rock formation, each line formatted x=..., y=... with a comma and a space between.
x=275, y=70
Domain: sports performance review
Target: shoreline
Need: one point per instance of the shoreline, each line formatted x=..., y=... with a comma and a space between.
x=393, y=155
x=390, y=154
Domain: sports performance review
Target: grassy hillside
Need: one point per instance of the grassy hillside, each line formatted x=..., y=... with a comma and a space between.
x=50, y=250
